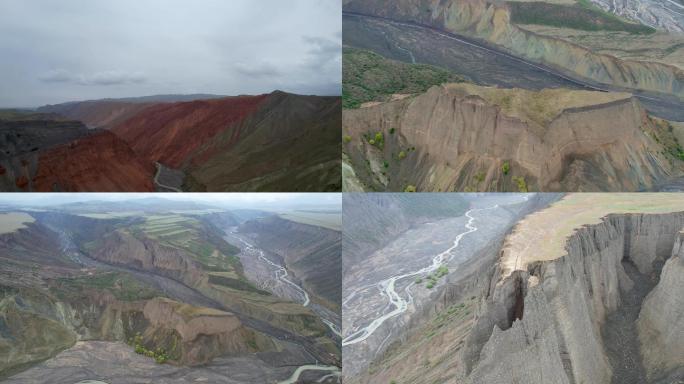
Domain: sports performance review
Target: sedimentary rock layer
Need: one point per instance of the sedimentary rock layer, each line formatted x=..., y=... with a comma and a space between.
x=490, y=21
x=548, y=309
x=464, y=137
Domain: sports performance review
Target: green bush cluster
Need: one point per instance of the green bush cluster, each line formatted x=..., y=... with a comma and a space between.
x=506, y=167
x=377, y=140
x=522, y=185
x=367, y=76
x=346, y=139
x=159, y=355
x=410, y=188
x=442, y=271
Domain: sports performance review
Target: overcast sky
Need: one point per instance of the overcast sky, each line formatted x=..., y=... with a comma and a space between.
x=58, y=51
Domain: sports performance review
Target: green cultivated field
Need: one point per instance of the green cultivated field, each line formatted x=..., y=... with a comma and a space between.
x=191, y=235
x=320, y=219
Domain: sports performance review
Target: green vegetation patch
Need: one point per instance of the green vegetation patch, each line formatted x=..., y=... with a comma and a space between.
x=431, y=280
x=582, y=16
x=193, y=236
x=330, y=220
x=522, y=185
x=239, y=284
x=663, y=133
x=455, y=312
x=367, y=76
x=506, y=167
x=158, y=354
x=124, y=287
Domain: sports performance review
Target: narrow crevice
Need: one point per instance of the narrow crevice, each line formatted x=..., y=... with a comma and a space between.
x=519, y=306
x=620, y=333
x=515, y=311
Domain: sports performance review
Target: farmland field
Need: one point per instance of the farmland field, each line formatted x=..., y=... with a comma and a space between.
x=10, y=222
x=321, y=219
x=189, y=234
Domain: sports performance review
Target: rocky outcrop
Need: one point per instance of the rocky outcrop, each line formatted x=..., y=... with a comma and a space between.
x=548, y=316
x=271, y=142
x=22, y=141
x=490, y=22
x=661, y=330
x=122, y=248
x=37, y=326
x=26, y=338
x=290, y=143
x=170, y=133
x=199, y=334
x=485, y=139
x=99, y=162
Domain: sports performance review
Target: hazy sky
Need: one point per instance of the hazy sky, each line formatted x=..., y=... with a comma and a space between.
x=237, y=200
x=57, y=51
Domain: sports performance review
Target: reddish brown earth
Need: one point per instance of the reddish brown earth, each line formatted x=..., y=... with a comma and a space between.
x=172, y=133
x=100, y=162
x=22, y=182
x=273, y=142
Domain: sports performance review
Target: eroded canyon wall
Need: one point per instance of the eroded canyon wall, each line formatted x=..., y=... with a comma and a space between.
x=553, y=311
x=491, y=22
x=661, y=329
x=457, y=137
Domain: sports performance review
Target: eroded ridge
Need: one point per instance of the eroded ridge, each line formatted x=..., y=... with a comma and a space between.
x=575, y=293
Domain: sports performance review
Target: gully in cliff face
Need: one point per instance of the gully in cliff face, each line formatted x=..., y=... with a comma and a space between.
x=584, y=289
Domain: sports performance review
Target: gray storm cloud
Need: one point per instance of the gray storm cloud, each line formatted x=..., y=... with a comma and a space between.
x=100, y=78
x=58, y=51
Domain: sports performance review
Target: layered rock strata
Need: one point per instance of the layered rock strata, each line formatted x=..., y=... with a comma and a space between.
x=460, y=137
x=491, y=22
x=544, y=318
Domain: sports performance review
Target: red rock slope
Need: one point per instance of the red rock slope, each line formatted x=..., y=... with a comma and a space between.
x=172, y=133
x=99, y=162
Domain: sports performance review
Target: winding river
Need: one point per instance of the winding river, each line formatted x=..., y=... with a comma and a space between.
x=280, y=273
x=295, y=376
x=387, y=286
